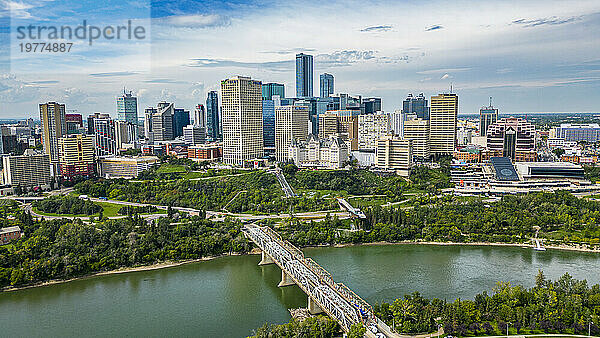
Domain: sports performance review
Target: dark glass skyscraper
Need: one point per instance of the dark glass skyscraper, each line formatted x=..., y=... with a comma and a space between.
x=487, y=117
x=268, y=110
x=181, y=118
x=326, y=84
x=371, y=105
x=213, y=127
x=270, y=89
x=416, y=105
x=304, y=75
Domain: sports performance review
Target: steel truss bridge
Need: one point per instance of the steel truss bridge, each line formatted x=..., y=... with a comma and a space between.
x=324, y=295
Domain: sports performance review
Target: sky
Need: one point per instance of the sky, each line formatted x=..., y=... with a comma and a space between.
x=530, y=56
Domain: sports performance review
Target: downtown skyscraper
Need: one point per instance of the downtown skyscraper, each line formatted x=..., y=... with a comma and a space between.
x=416, y=105
x=127, y=108
x=326, y=84
x=304, y=75
x=242, y=120
x=54, y=126
x=487, y=117
x=442, y=124
x=213, y=125
x=270, y=89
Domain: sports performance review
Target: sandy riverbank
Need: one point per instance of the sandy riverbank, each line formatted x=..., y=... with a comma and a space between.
x=565, y=247
x=156, y=266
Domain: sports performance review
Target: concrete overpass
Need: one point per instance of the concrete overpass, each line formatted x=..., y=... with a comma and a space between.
x=324, y=295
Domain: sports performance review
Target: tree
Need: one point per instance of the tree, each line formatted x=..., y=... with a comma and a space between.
x=540, y=279
x=488, y=328
x=558, y=152
x=357, y=331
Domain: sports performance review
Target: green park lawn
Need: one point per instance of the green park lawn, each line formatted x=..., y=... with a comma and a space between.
x=109, y=210
x=171, y=168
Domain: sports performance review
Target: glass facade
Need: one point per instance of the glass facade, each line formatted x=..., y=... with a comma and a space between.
x=487, y=117
x=270, y=89
x=326, y=84
x=268, y=110
x=304, y=75
x=181, y=118
x=213, y=126
x=416, y=105
x=127, y=108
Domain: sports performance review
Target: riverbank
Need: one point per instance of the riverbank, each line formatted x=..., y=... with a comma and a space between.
x=162, y=265
x=256, y=251
x=564, y=247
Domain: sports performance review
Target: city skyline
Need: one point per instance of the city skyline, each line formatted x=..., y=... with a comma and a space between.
x=534, y=57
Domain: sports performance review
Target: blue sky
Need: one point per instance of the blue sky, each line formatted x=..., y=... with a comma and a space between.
x=529, y=55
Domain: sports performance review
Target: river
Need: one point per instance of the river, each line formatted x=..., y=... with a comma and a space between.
x=230, y=296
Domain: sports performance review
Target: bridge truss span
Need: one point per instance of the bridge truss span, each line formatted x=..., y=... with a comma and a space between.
x=335, y=299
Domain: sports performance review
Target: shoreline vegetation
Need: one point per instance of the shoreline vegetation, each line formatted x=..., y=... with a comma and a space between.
x=563, y=307
x=255, y=251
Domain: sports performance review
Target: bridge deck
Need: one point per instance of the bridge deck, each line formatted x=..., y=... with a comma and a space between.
x=336, y=299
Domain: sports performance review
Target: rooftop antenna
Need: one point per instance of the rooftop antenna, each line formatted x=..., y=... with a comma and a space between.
x=490, y=101
x=450, y=87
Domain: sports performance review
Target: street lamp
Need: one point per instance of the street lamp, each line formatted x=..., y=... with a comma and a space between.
x=507, y=325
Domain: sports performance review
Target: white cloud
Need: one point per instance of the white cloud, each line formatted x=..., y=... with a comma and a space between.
x=195, y=21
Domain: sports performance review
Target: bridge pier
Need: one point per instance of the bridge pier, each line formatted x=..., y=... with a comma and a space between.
x=285, y=280
x=265, y=259
x=313, y=307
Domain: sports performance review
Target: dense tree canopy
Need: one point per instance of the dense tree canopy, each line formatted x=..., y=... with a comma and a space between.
x=62, y=249
x=67, y=205
x=563, y=306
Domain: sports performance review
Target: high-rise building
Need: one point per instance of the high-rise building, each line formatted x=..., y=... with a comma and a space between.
x=270, y=89
x=76, y=156
x=442, y=124
x=487, y=117
x=200, y=116
x=512, y=137
x=104, y=131
x=328, y=124
x=394, y=153
x=54, y=126
x=370, y=128
x=127, y=108
x=268, y=113
x=396, y=123
x=74, y=123
x=416, y=105
x=371, y=105
x=126, y=134
x=181, y=118
x=291, y=123
x=213, y=124
x=162, y=122
x=326, y=84
x=304, y=75
x=348, y=126
x=417, y=130
x=28, y=170
x=148, y=131
x=242, y=120
x=194, y=134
